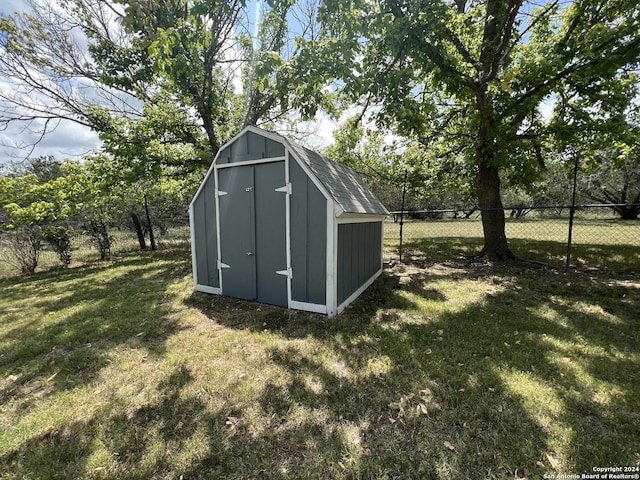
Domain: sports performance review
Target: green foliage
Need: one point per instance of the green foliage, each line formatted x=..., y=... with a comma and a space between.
x=165, y=140
x=186, y=44
x=365, y=151
x=59, y=238
x=28, y=202
x=471, y=77
x=616, y=182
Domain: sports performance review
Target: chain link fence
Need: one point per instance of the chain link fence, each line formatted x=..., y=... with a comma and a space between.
x=599, y=238
x=84, y=250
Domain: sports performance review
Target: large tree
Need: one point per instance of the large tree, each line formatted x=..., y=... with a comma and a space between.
x=472, y=74
x=87, y=60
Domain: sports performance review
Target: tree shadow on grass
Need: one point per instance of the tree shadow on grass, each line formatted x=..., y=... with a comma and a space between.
x=126, y=437
x=536, y=373
x=513, y=384
x=384, y=294
x=619, y=259
x=83, y=314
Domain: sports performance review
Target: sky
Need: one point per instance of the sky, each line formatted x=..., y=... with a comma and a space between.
x=68, y=140
x=73, y=141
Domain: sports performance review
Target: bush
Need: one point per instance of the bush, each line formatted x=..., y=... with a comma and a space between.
x=23, y=245
x=60, y=240
x=100, y=236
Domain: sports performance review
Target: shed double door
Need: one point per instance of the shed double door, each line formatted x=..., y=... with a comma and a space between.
x=253, y=232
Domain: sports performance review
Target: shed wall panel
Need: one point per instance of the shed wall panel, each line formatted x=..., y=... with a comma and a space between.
x=204, y=212
x=359, y=255
x=308, y=238
x=250, y=146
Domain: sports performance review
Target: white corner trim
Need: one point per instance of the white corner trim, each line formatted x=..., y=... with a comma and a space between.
x=192, y=231
x=287, y=223
x=361, y=218
x=308, y=307
x=358, y=292
x=216, y=184
x=207, y=289
x=250, y=162
x=332, y=261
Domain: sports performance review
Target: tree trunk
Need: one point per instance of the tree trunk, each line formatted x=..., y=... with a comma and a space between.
x=138, y=227
x=493, y=220
x=488, y=182
x=628, y=212
x=151, y=237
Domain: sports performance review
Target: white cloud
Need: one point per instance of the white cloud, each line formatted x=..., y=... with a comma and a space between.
x=546, y=108
x=68, y=140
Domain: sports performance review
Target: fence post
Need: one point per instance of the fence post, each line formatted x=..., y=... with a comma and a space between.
x=404, y=192
x=572, y=211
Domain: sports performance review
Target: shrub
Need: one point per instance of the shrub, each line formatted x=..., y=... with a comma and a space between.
x=23, y=245
x=100, y=237
x=60, y=240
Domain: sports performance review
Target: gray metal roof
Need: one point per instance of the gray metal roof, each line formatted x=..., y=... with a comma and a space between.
x=345, y=186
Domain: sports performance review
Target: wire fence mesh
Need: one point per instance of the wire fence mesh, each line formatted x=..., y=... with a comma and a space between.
x=599, y=238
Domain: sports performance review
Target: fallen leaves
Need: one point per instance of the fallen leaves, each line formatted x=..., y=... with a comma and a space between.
x=555, y=463
x=449, y=445
x=405, y=405
x=233, y=423
x=48, y=433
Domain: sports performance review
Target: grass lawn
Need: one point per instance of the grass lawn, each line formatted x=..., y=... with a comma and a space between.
x=441, y=370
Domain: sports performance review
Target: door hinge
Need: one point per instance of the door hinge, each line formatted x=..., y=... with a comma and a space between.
x=287, y=273
x=286, y=189
x=223, y=265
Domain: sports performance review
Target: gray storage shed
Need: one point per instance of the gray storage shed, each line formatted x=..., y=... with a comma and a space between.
x=277, y=223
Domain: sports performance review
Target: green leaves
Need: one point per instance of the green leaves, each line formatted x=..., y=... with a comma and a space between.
x=27, y=202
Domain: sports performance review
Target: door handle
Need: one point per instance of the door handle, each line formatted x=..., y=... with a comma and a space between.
x=249, y=254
